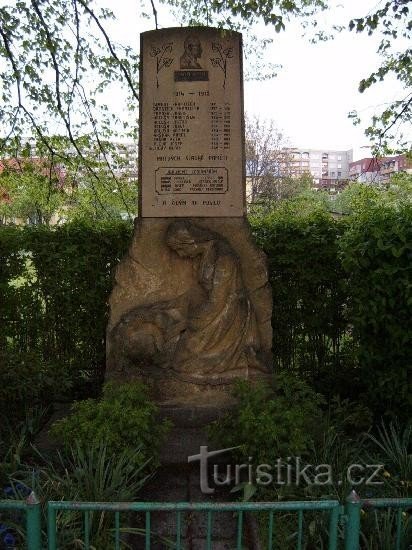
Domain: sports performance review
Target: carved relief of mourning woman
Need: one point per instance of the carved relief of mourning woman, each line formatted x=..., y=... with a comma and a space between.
x=221, y=336
x=205, y=336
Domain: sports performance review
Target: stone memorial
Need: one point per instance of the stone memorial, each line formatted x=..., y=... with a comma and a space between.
x=191, y=113
x=191, y=307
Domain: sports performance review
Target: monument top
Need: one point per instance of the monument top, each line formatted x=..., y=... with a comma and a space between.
x=191, y=123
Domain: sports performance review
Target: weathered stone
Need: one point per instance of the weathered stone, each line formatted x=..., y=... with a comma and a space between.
x=191, y=106
x=190, y=310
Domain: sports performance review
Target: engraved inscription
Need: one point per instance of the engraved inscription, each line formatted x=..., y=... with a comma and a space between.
x=171, y=123
x=220, y=126
x=197, y=180
x=191, y=76
x=192, y=157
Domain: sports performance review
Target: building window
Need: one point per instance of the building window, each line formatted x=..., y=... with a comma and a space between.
x=339, y=157
x=339, y=174
x=332, y=174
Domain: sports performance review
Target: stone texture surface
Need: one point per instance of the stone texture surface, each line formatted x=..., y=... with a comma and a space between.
x=191, y=131
x=151, y=284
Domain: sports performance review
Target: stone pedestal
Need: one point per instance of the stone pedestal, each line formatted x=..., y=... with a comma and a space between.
x=189, y=429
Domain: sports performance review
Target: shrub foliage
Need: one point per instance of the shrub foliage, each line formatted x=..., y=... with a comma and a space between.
x=54, y=285
x=377, y=255
x=341, y=297
x=270, y=424
x=309, y=290
x=124, y=418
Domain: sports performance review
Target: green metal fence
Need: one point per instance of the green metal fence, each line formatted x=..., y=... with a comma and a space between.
x=353, y=508
x=32, y=510
x=210, y=509
x=348, y=516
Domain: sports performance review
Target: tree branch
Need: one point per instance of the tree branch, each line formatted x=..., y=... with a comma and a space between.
x=398, y=115
x=52, y=52
x=101, y=148
x=110, y=46
x=12, y=61
x=154, y=13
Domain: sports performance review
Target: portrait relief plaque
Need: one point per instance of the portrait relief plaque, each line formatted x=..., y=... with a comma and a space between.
x=191, y=124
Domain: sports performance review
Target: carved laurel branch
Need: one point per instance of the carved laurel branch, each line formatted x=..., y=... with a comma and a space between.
x=161, y=60
x=221, y=61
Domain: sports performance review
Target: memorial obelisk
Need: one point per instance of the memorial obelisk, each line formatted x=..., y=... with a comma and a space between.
x=191, y=307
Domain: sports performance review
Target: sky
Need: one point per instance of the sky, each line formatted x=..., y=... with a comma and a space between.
x=315, y=90
x=317, y=87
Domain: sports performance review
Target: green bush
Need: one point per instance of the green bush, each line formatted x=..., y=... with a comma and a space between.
x=54, y=288
x=392, y=446
x=124, y=418
x=309, y=286
x=27, y=382
x=341, y=300
x=377, y=256
x=267, y=424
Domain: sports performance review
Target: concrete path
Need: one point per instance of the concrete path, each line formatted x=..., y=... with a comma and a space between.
x=176, y=483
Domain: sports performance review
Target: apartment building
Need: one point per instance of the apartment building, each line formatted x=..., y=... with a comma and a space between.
x=378, y=170
x=321, y=163
x=124, y=160
x=329, y=168
x=122, y=157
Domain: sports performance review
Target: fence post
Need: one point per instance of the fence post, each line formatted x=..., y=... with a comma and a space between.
x=352, y=526
x=33, y=522
x=51, y=527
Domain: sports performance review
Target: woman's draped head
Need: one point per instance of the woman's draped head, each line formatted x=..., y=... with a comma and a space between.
x=187, y=239
x=182, y=233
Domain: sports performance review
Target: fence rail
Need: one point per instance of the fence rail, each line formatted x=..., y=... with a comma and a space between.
x=211, y=509
x=348, y=516
x=353, y=508
x=32, y=509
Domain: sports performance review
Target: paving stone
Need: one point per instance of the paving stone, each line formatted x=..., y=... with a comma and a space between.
x=223, y=526
x=200, y=544
x=174, y=484
x=168, y=485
